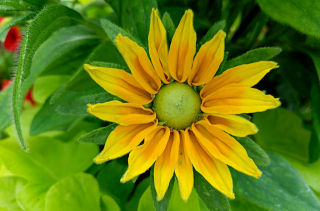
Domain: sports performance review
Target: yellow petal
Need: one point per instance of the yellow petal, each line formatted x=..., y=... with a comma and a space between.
x=122, y=113
x=184, y=170
x=119, y=83
x=158, y=47
x=232, y=124
x=225, y=148
x=182, y=48
x=213, y=170
x=236, y=100
x=139, y=64
x=123, y=139
x=142, y=157
x=246, y=75
x=207, y=60
x=164, y=166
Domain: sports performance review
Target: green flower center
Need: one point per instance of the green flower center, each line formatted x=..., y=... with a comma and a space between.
x=177, y=105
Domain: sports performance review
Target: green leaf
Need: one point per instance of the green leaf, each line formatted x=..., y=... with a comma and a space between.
x=279, y=188
x=98, y=136
x=81, y=81
x=211, y=33
x=301, y=15
x=214, y=200
x=115, y=4
x=314, y=146
x=10, y=186
x=168, y=25
x=133, y=202
x=162, y=205
x=48, y=161
x=281, y=131
x=138, y=12
x=12, y=6
x=19, y=20
x=258, y=155
x=109, y=204
x=78, y=105
x=82, y=190
x=5, y=109
x=110, y=182
x=110, y=65
x=113, y=30
x=256, y=55
x=49, y=20
x=242, y=204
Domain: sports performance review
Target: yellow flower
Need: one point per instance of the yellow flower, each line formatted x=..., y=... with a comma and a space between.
x=183, y=128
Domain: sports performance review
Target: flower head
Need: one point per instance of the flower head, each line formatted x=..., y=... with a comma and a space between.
x=183, y=129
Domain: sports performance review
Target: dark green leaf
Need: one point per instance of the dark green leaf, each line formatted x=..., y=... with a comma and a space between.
x=212, y=31
x=49, y=20
x=220, y=70
x=242, y=204
x=115, y=4
x=109, y=182
x=279, y=188
x=258, y=155
x=162, y=205
x=213, y=198
x=281, y=131
x=19, y=20
x=78, y=106
x=133, y=202
x=98, y=136
x=139, y=13
x=301, y=15
x=256, y=55
x=314, y=147
x=168, y=25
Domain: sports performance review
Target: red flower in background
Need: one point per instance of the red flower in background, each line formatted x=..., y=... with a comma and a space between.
x=13, y=38
x=6, y=83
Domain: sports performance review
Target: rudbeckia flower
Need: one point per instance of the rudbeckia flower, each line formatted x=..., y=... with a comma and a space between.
x=180, y=128
x=13, y=38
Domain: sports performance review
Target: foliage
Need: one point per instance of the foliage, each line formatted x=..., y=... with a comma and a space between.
x=51, y=166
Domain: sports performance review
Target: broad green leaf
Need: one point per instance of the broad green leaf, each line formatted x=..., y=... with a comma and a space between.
x=78, y=105
x=168, y=25
x=279, y=188
x=76, y=192
x=19, y=20
x=113, y=30
x=133, y=202
x=138, y=12
x=48, y=161
x=258, y=155
x=81, y=81
x=242, y=204
x=109, y=204
x=213, y=199
x=293, y=142
x=315, y=141
x=176, y=202
x=301, y=15
x=310, y=172
x=281, y=131
x=256, y=55
x=162, y=205
x=212, y=32
x=109, y=182
x=98, y=136
x=5, y=110
x=49, y=20
x=10, y=186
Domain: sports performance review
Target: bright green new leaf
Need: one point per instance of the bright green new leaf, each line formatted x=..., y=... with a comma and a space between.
x=162, y=205
x=49, y=20
x=279, y=188
x=258, y=155
x=301, y=15
x=212, y=198
x=98, y=136
x=76, y=192
x=256, y=55
x=5, y=108
x=133, y=202
x=48, y=161
x=281, y=131
x=10, y=186
x=109, y=204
